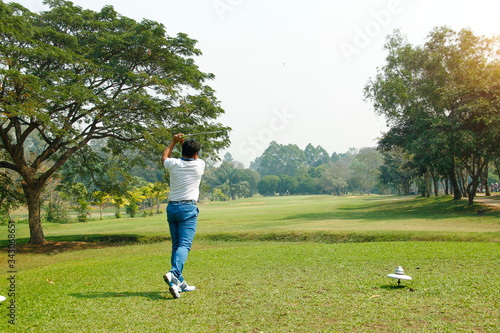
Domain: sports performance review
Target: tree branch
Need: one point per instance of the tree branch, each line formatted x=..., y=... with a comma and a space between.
x=8, y=165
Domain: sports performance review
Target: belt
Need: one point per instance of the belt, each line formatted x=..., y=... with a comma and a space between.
x=182, y=201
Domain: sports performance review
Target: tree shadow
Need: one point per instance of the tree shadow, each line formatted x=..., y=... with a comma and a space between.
x=152, y=295
x=63, y=243
x=398, y=209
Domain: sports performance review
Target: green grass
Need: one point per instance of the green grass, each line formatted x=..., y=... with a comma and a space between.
x=265, y=287
x=324, y=218
x=280, y=264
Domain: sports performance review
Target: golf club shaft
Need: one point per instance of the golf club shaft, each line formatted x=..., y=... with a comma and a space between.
x=195, y=134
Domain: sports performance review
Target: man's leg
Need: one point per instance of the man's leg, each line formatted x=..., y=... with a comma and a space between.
x=170, y=278
x=186, y=231
x=173, y=225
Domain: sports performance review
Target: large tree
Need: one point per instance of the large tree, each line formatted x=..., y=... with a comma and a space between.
x=280, y=160
x=395, y=172
x=441, y=101
x=70, y=75
x=365, y=170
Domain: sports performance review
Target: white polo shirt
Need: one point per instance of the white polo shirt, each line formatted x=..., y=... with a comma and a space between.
x=185, y=178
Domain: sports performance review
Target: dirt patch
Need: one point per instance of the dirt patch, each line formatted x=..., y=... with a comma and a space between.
x=493, y=201
x=58, y=247
x=495, y=204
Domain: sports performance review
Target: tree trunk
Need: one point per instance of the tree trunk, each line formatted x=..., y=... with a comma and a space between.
x=497, y=166
x=427, y=185
x=406, y=187
x=475, y=173
x=462, y=183
x=32, y=193
x=484, y=181
x=435, y=181
x=457, y=195
x=471, y=189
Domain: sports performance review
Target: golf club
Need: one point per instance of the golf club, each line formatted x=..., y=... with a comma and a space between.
x=195, y=134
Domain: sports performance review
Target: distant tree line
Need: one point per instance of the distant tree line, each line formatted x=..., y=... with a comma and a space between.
x=95, y=178
x=288, y=170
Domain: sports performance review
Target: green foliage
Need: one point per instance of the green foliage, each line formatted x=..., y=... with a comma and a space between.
x=99, y=170
x=441, y=101
x=306, y=184
x=56, y=212
x=218, y=195
x=232, y=180
x=119, y=201
x=160, y=192
x=332, y=182
x=100, y=199
x=70, y=76
x=281, y=159
x=76, y=194
x=132, y=208
x=395, y=173
x=11, y=196
x=315, y=157
x=287, y=185
x=365, y=169
x=134, y=197
x=268, y=185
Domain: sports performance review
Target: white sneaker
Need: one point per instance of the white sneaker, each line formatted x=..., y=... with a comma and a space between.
x=174, y=285
x=185, y=287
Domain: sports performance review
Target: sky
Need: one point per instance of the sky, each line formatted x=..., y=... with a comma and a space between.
x=294, y=71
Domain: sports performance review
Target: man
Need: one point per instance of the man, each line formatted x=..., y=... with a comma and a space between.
x=182, y=212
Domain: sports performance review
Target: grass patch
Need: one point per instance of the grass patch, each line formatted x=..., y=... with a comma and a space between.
x=263, y=287
x=298, y=218
x=278, y=264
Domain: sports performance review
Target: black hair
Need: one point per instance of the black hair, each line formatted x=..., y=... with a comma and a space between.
x=190, y=147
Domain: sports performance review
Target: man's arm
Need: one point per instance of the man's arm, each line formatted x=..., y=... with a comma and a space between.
x=168, y=152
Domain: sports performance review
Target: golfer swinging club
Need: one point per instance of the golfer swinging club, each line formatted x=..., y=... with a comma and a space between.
x=182, y=212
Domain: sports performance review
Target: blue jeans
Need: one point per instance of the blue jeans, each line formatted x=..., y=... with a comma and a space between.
x=182, y=219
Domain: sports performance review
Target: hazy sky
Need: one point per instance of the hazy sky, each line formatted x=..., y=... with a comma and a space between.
x=294, y=71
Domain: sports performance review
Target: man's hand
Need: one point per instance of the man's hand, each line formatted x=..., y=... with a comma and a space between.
x=178, y=138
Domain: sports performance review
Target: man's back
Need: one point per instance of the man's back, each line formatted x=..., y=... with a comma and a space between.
x=185, y=177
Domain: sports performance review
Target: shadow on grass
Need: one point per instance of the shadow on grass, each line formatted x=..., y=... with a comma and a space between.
x=152, y=295
x=394, y=287
x=400, y=209
x=57, y=244
x=111, y=238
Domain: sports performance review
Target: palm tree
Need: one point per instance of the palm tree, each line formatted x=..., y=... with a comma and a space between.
x=119, y=201
x=135, y=197
x=228, y=179
x=160, y=192
x=100, y=199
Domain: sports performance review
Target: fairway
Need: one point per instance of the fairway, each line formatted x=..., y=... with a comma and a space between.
x=271, y=264
x=266, y=287
x=359, y=218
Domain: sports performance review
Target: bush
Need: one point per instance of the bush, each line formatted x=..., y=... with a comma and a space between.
x=217, y=195
x=56, y=213
x=132, y=209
